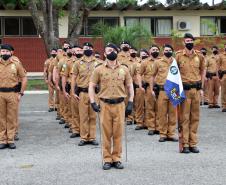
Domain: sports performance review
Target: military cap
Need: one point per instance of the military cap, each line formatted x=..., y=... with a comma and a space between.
x=203, y=49
x=133, y=48
x=7, y=46
x=110, y=45
x=124, y=42
x=144, y=50
x=77, y=46
x=189, y=35
x=168, y=46
x=154, y=46
x=88, y=44
x=215, y=47
x=53, y=49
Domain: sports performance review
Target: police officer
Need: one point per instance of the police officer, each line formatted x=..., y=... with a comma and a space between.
x=124, y=54
x=222, y=75
x=10, y=71
x=213, y=79
x=167, y=115
x=206, y=94
x=150, y=116
x=47, y=63
x=113, y=79
x=192, y=68
x=82, y=71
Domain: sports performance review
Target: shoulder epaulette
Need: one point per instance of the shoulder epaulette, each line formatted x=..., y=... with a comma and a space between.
x=98, y=65
x=179, y=51
x=124, y=65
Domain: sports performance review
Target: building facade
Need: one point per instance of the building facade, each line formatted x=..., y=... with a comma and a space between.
x=17, y=28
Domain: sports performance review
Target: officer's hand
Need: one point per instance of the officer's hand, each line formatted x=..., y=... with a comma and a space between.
x=66, y=95
x=129, y=108
x=19, y=97
x=142, y=89
x=75, y=96
x=58, y=88
x=153, y=93
x=95, y=107
x=46, y=81
x=201, y=93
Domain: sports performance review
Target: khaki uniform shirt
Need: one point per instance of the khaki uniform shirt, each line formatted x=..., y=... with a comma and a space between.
x=83, y=70
x=190, y=66
x=112, y=82
x=212, y=63
x=10, y=73
x=160, y=70
x=67, y=68
x=146, y=68
x=222, y=61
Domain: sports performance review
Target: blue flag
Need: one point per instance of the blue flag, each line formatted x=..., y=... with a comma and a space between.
x=173, y=86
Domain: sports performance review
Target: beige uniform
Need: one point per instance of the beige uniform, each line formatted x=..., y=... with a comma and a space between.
x=213, y=80
x=167, y=115
x=83, y=70
x=222, y=67
x=10, y=72
x=190, y=69
x=113, y=84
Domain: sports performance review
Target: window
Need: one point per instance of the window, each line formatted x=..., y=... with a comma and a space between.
x=156, y=25
x=28, y=27
x=0, y=26
x=163, y=27
x=208, y=26
x=88, y=26
x=12, y=26
x=223, y=25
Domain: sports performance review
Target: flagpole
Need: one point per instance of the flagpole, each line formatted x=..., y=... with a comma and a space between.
x=179, y=126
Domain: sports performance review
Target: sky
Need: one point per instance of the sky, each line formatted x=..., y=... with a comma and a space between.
x=163, y=1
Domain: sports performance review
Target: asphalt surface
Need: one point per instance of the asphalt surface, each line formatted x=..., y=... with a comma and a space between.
x=45, y=154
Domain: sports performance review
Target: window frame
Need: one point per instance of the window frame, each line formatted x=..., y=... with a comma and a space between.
x=85, y=25
x=4, y=27
x=154, y=18
x=21, y=30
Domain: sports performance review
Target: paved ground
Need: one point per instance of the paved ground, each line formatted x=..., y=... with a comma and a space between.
x=47, y=156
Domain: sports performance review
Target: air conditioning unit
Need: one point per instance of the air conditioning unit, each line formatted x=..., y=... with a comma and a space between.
x=183, y=25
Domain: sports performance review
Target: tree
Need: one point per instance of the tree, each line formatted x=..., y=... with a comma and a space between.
x=137, y=35
x=46, y=14
x=183, y=2
x=123, y=3
x=153, y=2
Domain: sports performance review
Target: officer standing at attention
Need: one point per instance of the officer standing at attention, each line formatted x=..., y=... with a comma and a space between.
x=192, y=68
x=213, y=78
x=11, y=72
x=150, y=116
x=47, y=63
x=222, y=75
x=82, y=71
x=113, y=79
x=205, y=90
x=167, y=113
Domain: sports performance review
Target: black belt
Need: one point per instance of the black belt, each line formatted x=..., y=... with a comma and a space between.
x=160, y=87
x=112, y=101
x=145, y=85
x=85, y=90
x=8, y=89
x=135, y=86
x=197, y=85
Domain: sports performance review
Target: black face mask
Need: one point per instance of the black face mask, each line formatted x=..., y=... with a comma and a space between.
x=224, y=49
x=168, y=54
x=155, y=54
x=5, y=57
x=69, y=54
x=133, y=55
x=125, y=48
x=215, y=52
x=204, y=53
x=189, y=46
x=78, y=55
x=143, y=57
x=65, y=49
x=112, y=56
x=53, y=55
x=88, y=52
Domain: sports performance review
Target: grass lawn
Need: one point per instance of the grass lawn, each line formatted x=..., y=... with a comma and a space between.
x=36, y=85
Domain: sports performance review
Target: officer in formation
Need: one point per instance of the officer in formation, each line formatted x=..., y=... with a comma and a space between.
x=214, y=78
x=12, y=87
